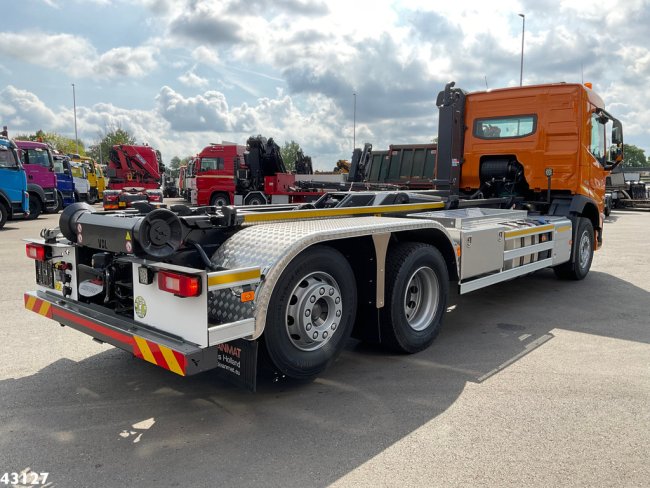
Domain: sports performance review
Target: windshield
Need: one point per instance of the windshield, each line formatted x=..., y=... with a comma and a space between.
x=7, y=158
x=78, y=172
x=37, y=156
x=58, y=166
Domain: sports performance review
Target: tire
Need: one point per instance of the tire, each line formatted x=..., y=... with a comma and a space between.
x=254, y=199
x=608, y=210
x=582, y=253
x=4, y=214
x=59, y=202
x=92, y=196
x=417, y=289
x=317, y=283
x=35, y=207
x=219, y=200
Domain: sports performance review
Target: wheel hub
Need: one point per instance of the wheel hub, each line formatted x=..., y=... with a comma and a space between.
x=421, y=298
x=314, y=311
x=584, y=250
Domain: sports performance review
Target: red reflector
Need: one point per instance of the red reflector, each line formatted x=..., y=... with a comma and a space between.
x=110, y=198
x=179, y=284
x=35, y=251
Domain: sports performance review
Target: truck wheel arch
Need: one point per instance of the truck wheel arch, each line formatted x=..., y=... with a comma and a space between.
x=273, y=251
x=37, y=190
x=4, y=200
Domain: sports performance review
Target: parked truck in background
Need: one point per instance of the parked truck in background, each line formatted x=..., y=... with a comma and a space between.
x=64, y=181
x=14, y=198
x=519, y=187
x=255, y=174
x=94, y=175
x=134, y=175
x=41, y=178
x=82, y=188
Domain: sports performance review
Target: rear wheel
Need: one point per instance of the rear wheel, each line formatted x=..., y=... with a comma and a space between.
x=582, y=253
x=417, y=286
x=311, y=312
x=92, y=196
x=219, y=200
x=35, y=207
x=59, y=202
x=4, y=214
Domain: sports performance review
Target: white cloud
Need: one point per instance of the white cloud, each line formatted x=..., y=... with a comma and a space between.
x=191, y=79
x=21, y=109
x=77, y=56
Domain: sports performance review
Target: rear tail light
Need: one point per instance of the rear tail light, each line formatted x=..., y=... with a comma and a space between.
x=179, y=284
x=35, y=251
x=110, y=197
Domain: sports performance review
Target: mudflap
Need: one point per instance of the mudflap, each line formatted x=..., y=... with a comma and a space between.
x=237, y=363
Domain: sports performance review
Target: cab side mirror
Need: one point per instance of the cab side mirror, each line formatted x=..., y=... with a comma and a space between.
x=617, y=133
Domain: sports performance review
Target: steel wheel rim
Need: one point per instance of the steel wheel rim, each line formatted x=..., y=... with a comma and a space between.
x=584, y=250
x=314, y=311
x=421, y=298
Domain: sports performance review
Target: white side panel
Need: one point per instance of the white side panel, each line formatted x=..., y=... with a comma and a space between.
x=279, y=198
x=562, y=249
x=184, y=317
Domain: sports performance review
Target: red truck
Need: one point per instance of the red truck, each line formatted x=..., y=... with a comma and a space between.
x=228, y=173
x=134, y=175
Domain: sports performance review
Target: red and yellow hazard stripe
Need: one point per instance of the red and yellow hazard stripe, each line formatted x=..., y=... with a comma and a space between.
x=142, y=348
x=160, y=355
x=39, y=306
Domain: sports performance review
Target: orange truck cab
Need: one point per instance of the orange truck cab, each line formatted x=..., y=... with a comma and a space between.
x=542, y=148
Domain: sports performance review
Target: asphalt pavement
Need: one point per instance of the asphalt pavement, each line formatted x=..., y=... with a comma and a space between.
x=533, y=382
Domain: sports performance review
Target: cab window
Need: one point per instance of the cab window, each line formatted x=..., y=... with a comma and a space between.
x=7, y=159
x=37, y=156
x=58, y=166
x=212, y=164
x=505, y=127
x=598, y=143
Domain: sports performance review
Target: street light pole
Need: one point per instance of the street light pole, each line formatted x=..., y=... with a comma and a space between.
x=354, y=123
x=74, y=104
x=523, y=30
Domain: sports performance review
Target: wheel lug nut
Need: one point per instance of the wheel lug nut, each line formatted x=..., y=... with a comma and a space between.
x=331, y=291
x=307, y=313
x=338, y=300
x=334, y=326
x=312, y=299
x=324, y=335
x=338, y=313
x=315, y=336
x=308, y=327
x=322, y=291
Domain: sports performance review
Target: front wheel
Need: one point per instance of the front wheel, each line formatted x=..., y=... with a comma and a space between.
x=417, y=287
x=4, y=214
x=582, y=253
x=311, y=312
x=35, y=207
x=59, y=203
x=92, y=196
x=219, y=200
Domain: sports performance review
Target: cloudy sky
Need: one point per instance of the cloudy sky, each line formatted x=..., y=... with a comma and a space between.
x=180, y=74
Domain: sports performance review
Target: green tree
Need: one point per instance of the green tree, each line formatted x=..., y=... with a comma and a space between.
x=175, y=163
x=634, y=156
x=289, y=152
x=63, y=144
x=111, y=136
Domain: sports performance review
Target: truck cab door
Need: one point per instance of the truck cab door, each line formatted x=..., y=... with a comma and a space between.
x=13, y=181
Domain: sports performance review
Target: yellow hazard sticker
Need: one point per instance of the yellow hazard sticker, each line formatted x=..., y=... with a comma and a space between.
x=128, y=236
x=58, y=286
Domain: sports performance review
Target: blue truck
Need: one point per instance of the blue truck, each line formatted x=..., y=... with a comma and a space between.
x=14, y=199
x=64, y=181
